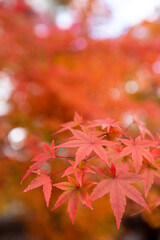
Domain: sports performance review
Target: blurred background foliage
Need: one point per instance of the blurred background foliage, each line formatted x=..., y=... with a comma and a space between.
x=49, y=70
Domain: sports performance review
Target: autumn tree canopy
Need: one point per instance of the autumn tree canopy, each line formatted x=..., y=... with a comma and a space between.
x=48, y=74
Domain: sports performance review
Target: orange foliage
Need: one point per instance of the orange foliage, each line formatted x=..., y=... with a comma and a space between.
x=54, y=76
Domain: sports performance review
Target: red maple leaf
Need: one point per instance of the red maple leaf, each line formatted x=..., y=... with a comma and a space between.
x=149, y=174
x=114, y=152
x=156, y=150
x=87, y=143
x=77, y=120
x=141, y=125
x=40, y=159
x=78, y=172
x=105, y=123
x=138, y=150
x=43, y=179
x=118, y=185
x=73, y=193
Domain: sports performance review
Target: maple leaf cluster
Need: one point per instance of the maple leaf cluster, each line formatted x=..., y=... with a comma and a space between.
x=105, y=160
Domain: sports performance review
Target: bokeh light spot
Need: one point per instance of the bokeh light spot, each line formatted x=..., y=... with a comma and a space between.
x=16, y=137
x=156, y=67
x=4, y=108
x=64, y=19
x=114, y=94
x=131, y=87
x=41, y=30
x=6, y=86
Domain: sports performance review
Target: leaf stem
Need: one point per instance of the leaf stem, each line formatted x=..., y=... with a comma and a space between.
x=67, y=167
x=59, y=171
x=63, y=156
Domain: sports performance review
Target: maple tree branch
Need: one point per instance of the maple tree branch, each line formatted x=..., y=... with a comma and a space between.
x=89, y=157
x=59, y=171
x=63, y=156
x=74, y=157
x=67, y=167
x=128, y=127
